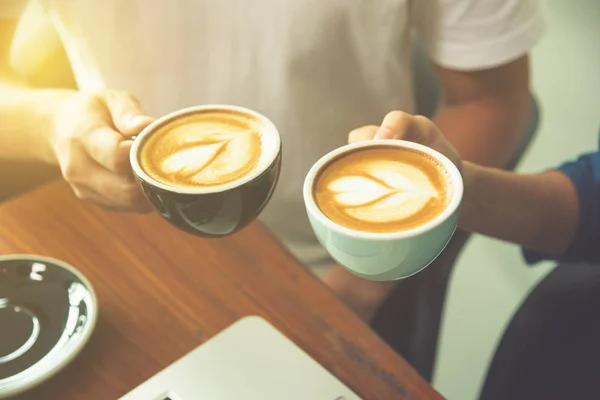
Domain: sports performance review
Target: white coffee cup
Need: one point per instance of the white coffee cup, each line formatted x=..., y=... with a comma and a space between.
x=385, y=256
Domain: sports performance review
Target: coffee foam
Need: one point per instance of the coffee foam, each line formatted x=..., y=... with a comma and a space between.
x=382, y=189
x=212, y=149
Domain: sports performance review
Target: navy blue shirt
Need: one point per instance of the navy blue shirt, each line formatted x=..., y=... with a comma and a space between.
x=585, y=175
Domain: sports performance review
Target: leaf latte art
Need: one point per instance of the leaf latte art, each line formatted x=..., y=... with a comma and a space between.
x=382, y=189
x=204, y=150
x=213, y=157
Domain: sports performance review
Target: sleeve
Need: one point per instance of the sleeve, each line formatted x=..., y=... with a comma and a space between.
x=478, y=34
x=12, y=9
x=585, y=175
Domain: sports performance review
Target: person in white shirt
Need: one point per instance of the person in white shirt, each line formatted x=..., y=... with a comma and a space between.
x=317, y=68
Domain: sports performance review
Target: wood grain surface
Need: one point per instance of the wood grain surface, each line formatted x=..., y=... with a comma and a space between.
x=163, y=292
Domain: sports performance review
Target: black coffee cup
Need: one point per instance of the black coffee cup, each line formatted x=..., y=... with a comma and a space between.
x=206, y=211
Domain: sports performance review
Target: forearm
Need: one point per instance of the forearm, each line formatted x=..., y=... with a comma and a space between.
x=26, y=112
x=538, y=211
x=485, y=131
x=26, y=121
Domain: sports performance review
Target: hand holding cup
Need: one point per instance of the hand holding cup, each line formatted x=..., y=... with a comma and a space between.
x=385, y=208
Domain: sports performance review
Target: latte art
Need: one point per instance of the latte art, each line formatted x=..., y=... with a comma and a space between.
x=211, y=157
x=207, y=150
x=382, y=189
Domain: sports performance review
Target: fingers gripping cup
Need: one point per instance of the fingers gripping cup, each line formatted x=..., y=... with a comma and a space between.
x=209, y=170
x=384, y=209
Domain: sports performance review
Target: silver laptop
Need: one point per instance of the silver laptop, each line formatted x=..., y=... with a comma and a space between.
x=250, y=360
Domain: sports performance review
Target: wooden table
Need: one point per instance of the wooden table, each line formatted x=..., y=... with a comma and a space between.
x=163, y=292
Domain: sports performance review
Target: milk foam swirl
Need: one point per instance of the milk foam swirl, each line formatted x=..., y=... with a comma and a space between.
x=206, y=149
x=210, y=156
x=382, y=191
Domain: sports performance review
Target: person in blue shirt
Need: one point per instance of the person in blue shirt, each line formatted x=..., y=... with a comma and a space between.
x=551, y=348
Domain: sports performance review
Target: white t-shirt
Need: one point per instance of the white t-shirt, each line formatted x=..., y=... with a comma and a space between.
x=317, y=68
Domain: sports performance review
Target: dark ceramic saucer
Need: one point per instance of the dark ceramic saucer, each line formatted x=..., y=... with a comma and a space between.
x=48, y=311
